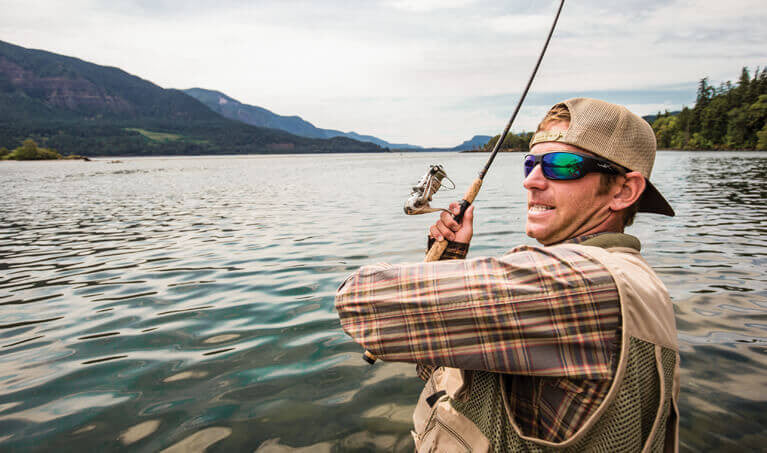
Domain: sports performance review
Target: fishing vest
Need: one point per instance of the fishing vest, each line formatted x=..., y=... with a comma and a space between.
x=467, y=411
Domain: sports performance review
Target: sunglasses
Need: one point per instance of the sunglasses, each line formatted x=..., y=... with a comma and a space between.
x=563, y=165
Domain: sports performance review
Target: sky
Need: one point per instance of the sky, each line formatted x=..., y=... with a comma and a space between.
x=425, y=72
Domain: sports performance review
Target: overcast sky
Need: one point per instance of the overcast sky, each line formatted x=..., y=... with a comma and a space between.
x=424, y=72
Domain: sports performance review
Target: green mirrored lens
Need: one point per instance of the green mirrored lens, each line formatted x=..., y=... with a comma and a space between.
x=562, y=166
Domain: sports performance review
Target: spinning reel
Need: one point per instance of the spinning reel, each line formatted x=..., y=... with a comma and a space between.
x=425, y=188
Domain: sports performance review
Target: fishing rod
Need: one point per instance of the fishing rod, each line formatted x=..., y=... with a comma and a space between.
x=418, y=203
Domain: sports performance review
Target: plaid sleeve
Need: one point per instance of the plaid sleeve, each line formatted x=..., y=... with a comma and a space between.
x=536, y=311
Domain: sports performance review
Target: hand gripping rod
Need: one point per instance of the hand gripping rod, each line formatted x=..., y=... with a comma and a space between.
x=438, y=248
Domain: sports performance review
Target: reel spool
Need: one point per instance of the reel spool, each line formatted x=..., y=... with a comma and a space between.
x=425, y=188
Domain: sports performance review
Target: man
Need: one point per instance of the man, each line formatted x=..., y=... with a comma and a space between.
x=570, y=346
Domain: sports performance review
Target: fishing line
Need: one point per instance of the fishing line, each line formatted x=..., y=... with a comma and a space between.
x=436, y=250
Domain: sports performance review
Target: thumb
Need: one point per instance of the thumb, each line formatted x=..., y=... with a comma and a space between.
x=468, y=216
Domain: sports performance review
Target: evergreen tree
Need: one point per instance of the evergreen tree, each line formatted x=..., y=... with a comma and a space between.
x=512, y=142
x=731, y=116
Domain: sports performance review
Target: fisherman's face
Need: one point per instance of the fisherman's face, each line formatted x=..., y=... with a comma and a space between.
x=560, y=210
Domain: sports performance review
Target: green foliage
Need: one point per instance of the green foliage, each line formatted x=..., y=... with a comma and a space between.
x=699, y=142
x=30, y=151
x=117, y=137
x=512, y=142
x=762, y=135
x=665, y=128
x=727, y=117
x=156, y=136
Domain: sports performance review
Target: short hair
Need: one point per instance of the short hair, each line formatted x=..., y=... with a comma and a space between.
x=560, y=113
x=556, y=114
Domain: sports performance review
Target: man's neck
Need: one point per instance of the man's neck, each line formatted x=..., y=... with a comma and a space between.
x=613, y=223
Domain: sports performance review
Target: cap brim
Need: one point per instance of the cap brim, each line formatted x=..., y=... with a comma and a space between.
x=652, y=201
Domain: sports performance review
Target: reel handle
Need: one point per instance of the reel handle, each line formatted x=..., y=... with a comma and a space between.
x=438, y=247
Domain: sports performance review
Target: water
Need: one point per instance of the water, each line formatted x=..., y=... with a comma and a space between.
x=186, y=303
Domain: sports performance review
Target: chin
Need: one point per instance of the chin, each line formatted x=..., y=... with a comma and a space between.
x=535, y=233
x=540, y=235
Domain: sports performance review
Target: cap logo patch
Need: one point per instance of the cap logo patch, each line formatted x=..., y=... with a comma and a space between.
x=547, y=136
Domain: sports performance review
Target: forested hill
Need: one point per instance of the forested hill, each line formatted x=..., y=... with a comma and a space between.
x=77, y=107
x=730, y=116
x=259, y=116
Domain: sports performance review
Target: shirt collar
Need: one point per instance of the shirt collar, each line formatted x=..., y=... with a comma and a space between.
x=607, y=239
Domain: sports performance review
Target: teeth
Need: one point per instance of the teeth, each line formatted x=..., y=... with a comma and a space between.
x=539, y=208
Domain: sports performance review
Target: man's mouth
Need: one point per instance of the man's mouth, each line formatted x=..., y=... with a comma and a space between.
x=535, y=208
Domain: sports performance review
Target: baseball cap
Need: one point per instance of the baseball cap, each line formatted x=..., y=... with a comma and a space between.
x=611, y=131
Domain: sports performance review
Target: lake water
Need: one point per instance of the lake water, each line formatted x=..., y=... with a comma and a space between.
x=185, y=303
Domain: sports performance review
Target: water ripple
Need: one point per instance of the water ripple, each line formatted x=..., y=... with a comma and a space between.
x=179, y=303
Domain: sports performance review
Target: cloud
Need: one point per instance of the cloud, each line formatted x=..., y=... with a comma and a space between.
x=519, y=24
x=423, y=72
x=422, y=6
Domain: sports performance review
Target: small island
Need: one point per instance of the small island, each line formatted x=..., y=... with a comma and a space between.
x=29, y=150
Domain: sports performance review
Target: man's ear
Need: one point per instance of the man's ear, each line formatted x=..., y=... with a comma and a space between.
x=631, y=188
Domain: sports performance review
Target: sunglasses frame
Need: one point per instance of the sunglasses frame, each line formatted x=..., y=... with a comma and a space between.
x=588, y=165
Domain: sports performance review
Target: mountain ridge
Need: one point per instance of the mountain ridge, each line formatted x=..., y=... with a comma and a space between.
x=231, y=108
x=79, y=107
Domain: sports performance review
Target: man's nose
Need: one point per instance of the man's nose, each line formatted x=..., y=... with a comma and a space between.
x=535, y=179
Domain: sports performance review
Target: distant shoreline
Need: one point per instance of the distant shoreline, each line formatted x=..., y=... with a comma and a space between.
x=116, y=159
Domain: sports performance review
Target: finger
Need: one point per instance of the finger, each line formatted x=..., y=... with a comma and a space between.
x=434, y=233
x=468, y=216
x=446, y=232
x=448, y=220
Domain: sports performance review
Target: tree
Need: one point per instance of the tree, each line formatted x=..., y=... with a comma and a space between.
x=762, y=136
x=713, y=120
x=30, y=151
x=737, y=127
x=705, y=92
x=665, y=129
x=731, y=116
x=512, y=142
x=27, y=150
x=699, y=142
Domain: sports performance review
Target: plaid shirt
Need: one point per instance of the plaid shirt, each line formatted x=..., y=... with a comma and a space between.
x=546, y=317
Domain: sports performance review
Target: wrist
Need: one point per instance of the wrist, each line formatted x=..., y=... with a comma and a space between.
x=455, y=250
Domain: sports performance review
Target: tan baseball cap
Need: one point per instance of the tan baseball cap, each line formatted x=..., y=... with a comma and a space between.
x=613, y=132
